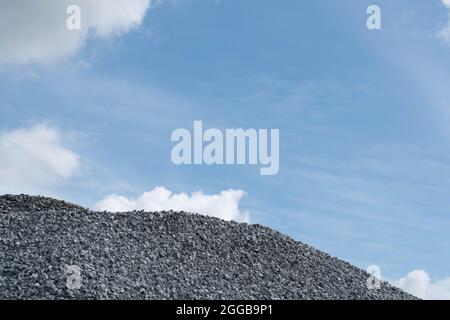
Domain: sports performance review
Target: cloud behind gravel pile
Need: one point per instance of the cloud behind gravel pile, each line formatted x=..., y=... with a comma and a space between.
x=419, y=283
x=224, y=205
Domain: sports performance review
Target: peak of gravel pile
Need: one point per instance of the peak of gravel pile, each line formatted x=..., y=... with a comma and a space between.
x=24, y=203
x=161, y=255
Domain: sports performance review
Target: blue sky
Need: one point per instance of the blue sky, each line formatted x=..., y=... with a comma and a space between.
x=363, y=117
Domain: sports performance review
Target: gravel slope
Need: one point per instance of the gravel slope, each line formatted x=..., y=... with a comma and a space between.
x=167, y=255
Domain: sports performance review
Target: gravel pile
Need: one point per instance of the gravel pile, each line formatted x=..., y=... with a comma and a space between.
x=51, y=249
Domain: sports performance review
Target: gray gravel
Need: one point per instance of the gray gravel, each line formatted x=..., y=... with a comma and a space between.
x=165, y=255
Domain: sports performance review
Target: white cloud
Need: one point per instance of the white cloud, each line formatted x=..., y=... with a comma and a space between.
x=419, y=283
x=444, y=33
x=34, y=158
x=224, y=205
x=35, y=31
